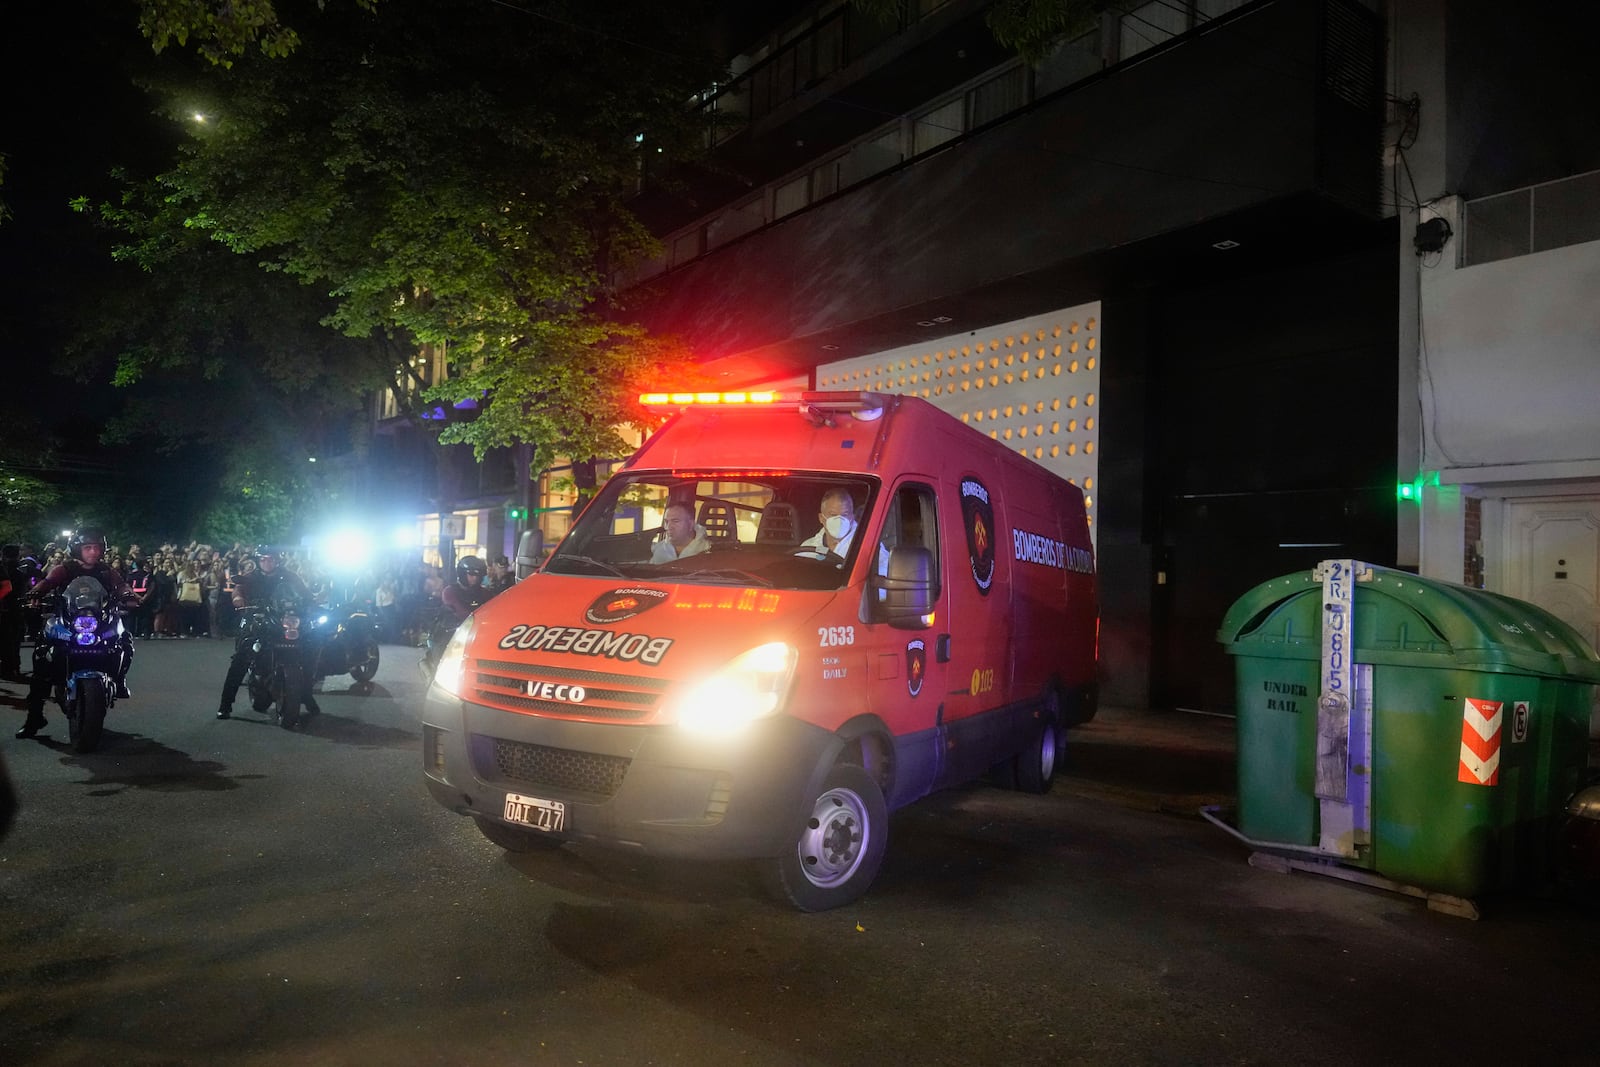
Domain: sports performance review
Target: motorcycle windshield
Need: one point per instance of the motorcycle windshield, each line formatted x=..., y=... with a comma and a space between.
x=84, y=596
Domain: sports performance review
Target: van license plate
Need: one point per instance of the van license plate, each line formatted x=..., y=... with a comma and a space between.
x=541, y=814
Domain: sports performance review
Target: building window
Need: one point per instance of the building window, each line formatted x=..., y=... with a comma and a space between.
x=939, y=126
x=791, y=196
x=998, y=97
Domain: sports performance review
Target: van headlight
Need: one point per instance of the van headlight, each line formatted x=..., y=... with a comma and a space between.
x=751, y=686
x=452, y=669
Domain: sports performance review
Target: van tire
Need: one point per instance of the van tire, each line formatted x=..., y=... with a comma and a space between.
x=1036, y=765
x=513, y=839
x=838, y=848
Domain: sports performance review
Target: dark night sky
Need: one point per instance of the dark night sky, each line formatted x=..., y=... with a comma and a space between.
x=70, y=114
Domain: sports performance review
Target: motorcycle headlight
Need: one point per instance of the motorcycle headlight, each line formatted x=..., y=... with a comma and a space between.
x=751, y=686
x=85, y=624
x=451, y=673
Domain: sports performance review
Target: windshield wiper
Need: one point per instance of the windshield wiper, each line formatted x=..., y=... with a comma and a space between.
x=598, y=564
x=728, y=576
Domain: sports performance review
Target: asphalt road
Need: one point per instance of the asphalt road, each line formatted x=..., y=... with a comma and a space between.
x=205, y=892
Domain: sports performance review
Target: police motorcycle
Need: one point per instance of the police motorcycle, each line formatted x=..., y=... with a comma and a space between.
x=342, y=640
x=85, y=626
x=279, y=677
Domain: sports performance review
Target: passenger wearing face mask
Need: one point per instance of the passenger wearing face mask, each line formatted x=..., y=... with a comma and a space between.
x=838, y=518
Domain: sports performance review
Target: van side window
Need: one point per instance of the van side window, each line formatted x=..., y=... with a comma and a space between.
x=912, y=519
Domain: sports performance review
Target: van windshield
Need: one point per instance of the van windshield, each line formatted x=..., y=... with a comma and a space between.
x=745, y=528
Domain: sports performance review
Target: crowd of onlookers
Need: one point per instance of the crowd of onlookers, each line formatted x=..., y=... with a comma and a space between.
x=186, y=591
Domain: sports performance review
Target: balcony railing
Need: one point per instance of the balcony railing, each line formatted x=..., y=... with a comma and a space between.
x=1003, y=90
x=837, y=39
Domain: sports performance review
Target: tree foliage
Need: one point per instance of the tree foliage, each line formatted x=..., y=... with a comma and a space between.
x=1031, y=27
x=450, y=175
x=222, y=30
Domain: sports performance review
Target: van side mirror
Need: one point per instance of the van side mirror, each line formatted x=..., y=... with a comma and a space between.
x=904, y=596
x=530, y=552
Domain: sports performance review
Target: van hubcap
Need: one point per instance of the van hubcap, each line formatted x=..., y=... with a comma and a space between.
x=835, y=838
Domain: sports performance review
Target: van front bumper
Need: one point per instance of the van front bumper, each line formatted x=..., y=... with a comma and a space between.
x=657, y=788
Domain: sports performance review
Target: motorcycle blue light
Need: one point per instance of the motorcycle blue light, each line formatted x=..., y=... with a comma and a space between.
x=86, y=638
x=84, y=624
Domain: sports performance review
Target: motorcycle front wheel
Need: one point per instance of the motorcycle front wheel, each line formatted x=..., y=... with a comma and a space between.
x=289, y=684
x=88, y=716
x=260, y=692
x=365, y=667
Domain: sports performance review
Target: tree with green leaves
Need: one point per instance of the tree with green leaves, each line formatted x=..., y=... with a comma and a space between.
x=221, y=30
x=441, y=175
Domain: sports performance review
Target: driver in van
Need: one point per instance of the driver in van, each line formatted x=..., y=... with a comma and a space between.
x=684, y=537
x=837, y=515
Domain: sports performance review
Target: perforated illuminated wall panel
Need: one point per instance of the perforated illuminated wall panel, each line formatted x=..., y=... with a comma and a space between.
x=1033, y=385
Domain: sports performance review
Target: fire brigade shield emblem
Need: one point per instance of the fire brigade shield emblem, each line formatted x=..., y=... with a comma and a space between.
x=619, y=604
x=977, y=514
x=916, y=666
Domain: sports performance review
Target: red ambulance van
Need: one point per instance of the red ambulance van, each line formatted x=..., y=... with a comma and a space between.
x=873, y=601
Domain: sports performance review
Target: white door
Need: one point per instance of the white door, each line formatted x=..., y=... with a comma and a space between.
x=1553, y=560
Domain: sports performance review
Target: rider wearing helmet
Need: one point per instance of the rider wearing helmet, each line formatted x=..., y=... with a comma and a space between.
x=469, y=591
x=252, y=590
x=49, y=667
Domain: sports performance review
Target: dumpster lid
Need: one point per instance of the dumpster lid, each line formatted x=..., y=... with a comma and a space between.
x=1407, y=619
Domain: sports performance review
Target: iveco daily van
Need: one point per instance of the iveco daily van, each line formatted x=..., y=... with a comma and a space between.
x=780, y=620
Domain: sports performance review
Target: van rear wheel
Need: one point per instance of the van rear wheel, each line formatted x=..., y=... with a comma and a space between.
x=839, y=847
x=1036, y=764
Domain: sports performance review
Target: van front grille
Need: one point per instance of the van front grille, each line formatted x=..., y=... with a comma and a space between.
x=550, y=691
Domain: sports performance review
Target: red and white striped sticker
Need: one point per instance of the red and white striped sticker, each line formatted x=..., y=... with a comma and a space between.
x=1480, y=741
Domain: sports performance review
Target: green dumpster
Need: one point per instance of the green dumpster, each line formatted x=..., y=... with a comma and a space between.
x=1428, y=733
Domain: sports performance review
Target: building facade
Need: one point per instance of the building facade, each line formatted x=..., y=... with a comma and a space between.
x=1203, y=182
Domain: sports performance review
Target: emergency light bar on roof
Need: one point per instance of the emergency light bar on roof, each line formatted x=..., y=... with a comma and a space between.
x=812, y=404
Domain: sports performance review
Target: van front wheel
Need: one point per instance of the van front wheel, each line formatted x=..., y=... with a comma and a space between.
x=840, y=845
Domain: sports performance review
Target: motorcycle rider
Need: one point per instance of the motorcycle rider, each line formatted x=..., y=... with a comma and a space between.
x=255, y=589
x=88, y=549
x=456, y=602
x=469, y=591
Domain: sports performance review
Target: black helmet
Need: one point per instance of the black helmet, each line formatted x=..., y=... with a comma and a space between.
x=89, y=536
x=267, y=551
x=470, y=565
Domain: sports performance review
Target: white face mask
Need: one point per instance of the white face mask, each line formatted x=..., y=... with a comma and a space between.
x=838, y=526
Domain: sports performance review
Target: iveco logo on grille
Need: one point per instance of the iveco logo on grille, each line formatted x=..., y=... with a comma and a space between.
x=567, y=694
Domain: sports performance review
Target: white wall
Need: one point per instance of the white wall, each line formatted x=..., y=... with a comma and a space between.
x=1509, y=368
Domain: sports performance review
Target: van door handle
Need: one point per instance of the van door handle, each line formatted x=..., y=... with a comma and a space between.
x=941, y=648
